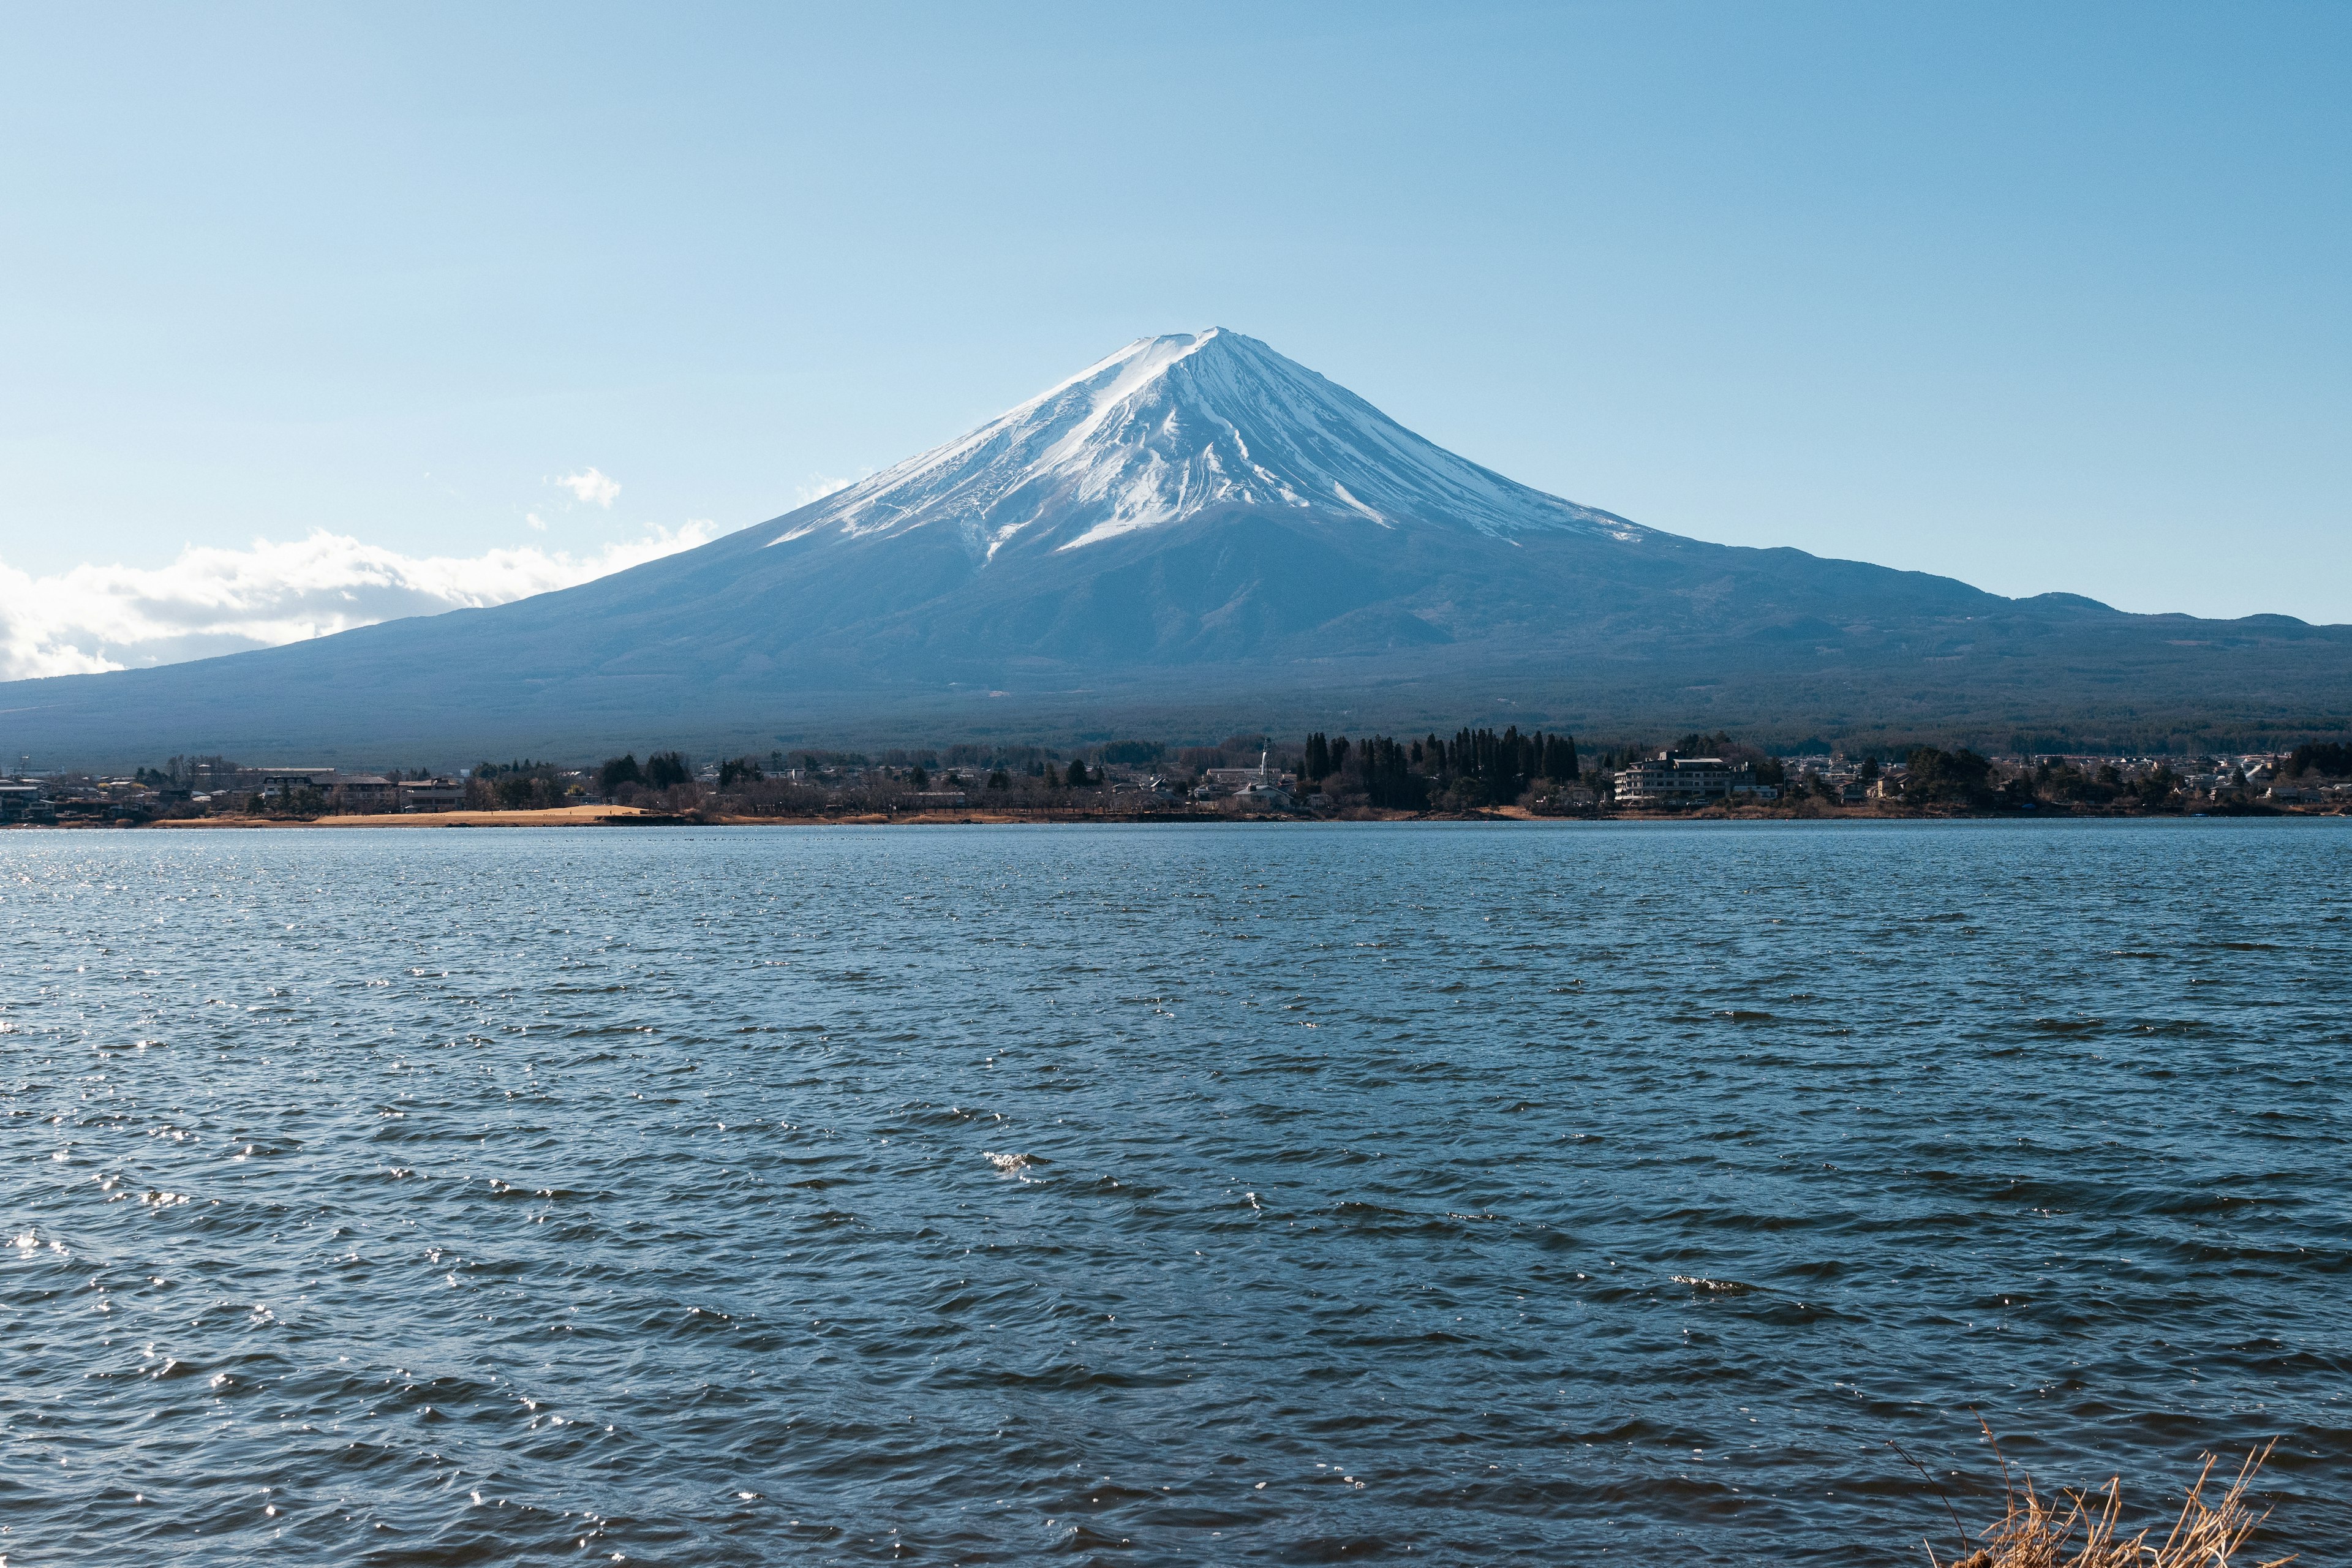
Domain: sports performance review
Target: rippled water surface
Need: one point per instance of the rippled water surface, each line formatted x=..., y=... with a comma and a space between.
x=1458, y=1193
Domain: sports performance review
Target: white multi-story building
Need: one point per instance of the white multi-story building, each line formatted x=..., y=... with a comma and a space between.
x=1669, y=779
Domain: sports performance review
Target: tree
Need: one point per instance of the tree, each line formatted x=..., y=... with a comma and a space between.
x=1390, y=781
x=740, y=770
x=667, y=770
x=917, y=778
x=999, y=779
x=1947, y=775
x=1077, y=776
x=618, y=771
x=2326, y=758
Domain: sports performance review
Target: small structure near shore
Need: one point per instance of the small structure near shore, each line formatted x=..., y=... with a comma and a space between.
x=936, y=800
x=441, y=794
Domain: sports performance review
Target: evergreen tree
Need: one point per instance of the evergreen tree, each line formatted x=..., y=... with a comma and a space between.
x=1390, y=781
x=2320, y=757
x=1951, y=776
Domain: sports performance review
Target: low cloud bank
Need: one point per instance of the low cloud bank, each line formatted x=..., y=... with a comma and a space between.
x=213, y=601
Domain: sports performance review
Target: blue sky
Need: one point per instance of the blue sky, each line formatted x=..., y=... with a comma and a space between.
x=2043, y=297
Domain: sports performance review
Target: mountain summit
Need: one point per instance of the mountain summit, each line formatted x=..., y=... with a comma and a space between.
x=1193, y=534
x=1175, y=427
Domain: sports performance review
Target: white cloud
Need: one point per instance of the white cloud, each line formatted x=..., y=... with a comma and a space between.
x=819, y=487
x=536, y=522
x=592, y=487
x=212, y=601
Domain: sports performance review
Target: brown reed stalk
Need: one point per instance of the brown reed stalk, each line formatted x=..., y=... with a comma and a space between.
x=2084, y=1529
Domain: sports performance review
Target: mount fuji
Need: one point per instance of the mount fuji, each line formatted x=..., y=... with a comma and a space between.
x=1181, y=427
x=1192, y=535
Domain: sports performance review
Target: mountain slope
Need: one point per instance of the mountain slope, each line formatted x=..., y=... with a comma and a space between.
x=1192, y=534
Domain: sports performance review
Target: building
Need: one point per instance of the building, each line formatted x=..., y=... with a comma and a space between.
x=432, y=794
x=279, y=784
x=1242, y=781
x=936, y=800
x=22, y=801
x=363, y=791
x=1669, y=779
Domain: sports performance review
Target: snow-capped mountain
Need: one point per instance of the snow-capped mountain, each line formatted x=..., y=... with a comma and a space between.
x=1172, y=427
x=1193, y=535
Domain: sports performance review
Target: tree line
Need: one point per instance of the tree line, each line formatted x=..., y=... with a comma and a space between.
x=1475, y=768
x=662, y=770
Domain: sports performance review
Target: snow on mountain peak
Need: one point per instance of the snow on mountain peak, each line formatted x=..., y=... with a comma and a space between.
x=1170, y=427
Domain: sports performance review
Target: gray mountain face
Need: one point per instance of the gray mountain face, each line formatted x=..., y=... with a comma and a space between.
x=1195, y=535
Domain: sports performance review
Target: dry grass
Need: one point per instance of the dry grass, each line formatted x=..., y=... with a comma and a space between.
x=2085, y=1530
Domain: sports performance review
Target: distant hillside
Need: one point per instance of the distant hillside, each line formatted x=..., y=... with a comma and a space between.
x=1196, y=534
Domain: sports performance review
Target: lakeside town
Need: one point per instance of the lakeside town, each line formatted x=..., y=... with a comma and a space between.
x=1476, y=773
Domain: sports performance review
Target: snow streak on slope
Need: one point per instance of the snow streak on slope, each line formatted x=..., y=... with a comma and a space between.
x=1168, y=428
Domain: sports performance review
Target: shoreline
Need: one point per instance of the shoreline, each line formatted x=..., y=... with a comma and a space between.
x=634, y=817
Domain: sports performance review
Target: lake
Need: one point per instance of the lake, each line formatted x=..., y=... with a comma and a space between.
x=1449, y=1191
